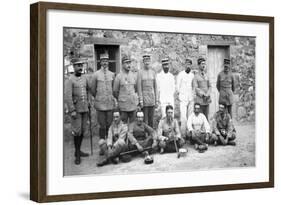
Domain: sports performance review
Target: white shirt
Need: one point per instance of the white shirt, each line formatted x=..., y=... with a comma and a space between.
x=198, y=123
x=166, y=87
x=184, y=86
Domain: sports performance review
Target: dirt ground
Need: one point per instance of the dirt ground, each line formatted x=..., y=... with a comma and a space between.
x=242, y=155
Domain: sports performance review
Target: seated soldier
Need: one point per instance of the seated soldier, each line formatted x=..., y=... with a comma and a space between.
x=169, y=133
x=198, y=129
x=223, y=131
x=141, y=136
x=115, y=143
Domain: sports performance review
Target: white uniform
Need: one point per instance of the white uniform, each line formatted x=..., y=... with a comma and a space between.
x=166, y=88
x=184, y=87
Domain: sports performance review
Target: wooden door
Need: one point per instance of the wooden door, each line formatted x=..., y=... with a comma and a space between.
x=216, y=55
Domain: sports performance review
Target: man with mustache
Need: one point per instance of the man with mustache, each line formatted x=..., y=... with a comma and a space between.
x=102, y=89
x=147, y=89
x=223, y=130
x=226, y=86
x=76, y=95
x=202, y=87
x=125, y=90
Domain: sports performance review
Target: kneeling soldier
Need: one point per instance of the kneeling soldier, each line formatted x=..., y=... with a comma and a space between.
x=140, y=135
x=198, y=129
x=116, y=141
x=223, y=129
x=169, y=132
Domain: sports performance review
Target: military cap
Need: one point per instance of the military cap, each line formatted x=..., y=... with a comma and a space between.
x=125, y=59
x=146, y=55
x=226, y=61
x=76, y=61
x=165, y=61
x=189, y=61
x=104, y=56
x=200, y=60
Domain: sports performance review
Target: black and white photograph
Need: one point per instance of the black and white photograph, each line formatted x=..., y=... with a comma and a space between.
x=140, y=102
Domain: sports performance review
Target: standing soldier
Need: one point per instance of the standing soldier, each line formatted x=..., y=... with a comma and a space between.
x=202, y=87
x=125, y=90
x=147, y=89
x=226, y=86
x=166, y=86
x=184, y=89
x=102, y=89
x=76, y=91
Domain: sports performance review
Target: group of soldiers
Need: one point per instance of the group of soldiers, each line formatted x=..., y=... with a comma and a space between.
x=126, y=102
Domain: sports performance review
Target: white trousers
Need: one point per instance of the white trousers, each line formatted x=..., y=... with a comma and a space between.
x=186, y=109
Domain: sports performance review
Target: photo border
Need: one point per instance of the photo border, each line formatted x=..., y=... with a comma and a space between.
x=38, y=100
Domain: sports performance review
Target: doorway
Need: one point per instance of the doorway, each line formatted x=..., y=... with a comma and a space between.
x=216, y=56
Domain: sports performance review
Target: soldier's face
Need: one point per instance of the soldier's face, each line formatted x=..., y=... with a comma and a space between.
x=170, y=113
x=127, y=66
x=78, y=68
x=197, y=109
x=104, y=63
x=165, y=68
x=139, y=117
x=221, y=108
x=226, y=68
x=202, y=66
x=146, y=62
x=116, y=117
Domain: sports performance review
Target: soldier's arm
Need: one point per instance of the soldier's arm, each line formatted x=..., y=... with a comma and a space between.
x=139, y=88
x=197, y=90
x=131, y=137
x=110, y=136
x=209, y=87
x=233, y=83
x=218, y=82
x=150, y=131
x=94, y=85
x=68, y=95
x=156, y=90
x=206, y=124
x=123, y=132
x=189, y=123
x=214, y=125
x=177, y=129
x=116, y=86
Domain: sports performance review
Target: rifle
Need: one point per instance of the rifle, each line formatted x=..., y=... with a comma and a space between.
x=91, y=135
x=176, y=146
x=134, y=151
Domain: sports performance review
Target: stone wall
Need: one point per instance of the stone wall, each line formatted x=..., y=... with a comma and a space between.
x=178, y=47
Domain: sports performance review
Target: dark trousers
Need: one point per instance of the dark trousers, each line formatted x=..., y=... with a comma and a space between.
x=205, y=110
x=148, y=112
x=169, y=145
x=104, y=119
x=198, y=137
x=128, y=117
x=144, y=143
x=229, y=109
x=79, y=128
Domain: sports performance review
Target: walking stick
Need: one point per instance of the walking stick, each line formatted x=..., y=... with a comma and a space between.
x=176, y=146
x=91, y=135
x=134, y=151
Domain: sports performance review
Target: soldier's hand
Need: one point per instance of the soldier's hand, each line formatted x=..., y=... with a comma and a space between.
x=139, y=147
x=141, y=104
x=154, y=145
x=73, y=114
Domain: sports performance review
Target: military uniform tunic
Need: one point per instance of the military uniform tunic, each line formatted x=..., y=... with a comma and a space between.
x=76, y=92
x=226, y=87
x=147, y=87
x=102, y=84
x=202, y=86
x=125, y=90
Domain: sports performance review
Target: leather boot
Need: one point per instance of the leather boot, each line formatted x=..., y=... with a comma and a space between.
x=77, y=160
